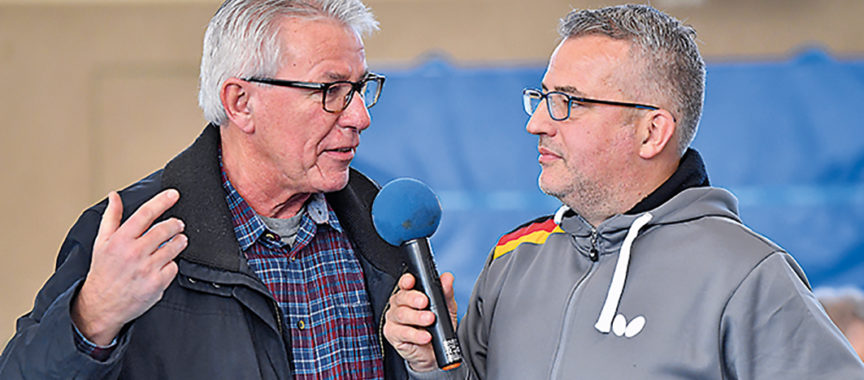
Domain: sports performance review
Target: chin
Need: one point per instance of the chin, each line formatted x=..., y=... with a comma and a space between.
x=334, y=182
x=545, y=185
x=554, y=187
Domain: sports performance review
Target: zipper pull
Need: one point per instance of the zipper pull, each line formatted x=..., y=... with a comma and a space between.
x=594, y=253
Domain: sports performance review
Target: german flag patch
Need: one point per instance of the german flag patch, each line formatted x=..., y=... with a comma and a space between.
x=534, y=233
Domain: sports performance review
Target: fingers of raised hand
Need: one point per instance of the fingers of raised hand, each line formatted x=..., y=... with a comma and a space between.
x=144, y=216
x=130, y=268
x=166, y=232
x=166, y=252
x=138, y=236
x=164, y=241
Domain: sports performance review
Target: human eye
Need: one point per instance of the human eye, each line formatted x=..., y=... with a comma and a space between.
x=558, y=103
x=573, y=101
x=336, y=89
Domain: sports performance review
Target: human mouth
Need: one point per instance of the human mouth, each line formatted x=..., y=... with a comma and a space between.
x=341, y=154
x=547, y=155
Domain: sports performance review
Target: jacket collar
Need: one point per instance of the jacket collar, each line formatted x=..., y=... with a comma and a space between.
x=195, y=174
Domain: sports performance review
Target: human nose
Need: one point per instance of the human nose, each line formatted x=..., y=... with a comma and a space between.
x=541, y=121
x=355, y=115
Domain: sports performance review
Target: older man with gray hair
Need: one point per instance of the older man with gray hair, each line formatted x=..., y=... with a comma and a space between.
x=646, y=271
x=251, y=255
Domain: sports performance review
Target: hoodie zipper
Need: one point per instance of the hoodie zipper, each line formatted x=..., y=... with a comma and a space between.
x=594, y=255
x=594, y=252
x=559, y=349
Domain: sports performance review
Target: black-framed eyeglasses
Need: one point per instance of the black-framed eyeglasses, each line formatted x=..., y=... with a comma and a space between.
x=559, y=104
x=336, y=96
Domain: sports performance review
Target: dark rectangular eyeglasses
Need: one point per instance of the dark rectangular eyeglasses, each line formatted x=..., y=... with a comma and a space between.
x=559, y=104
x=336, y=96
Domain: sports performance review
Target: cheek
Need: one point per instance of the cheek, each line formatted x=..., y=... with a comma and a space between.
x=580, y=146
x=600, y=152
x=306, y=130
x=319, y=137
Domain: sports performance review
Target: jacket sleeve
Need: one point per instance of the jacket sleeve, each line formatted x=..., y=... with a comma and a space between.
x=774, y=328
x=43, y=346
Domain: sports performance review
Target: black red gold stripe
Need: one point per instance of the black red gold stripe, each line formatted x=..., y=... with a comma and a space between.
x=535, y=233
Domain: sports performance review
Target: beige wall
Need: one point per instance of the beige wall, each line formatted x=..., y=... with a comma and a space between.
x=96, y=94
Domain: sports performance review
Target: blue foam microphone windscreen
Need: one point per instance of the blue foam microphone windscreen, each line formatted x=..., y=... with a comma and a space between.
x=405, y=209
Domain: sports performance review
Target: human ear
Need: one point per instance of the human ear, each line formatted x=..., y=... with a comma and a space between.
x=235, y=97
x=656, y=132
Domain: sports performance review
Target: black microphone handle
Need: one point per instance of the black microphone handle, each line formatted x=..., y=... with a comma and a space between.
x=448, y=354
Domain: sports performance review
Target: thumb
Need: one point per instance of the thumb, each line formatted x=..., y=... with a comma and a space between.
x=110, y=219
x=447, y=281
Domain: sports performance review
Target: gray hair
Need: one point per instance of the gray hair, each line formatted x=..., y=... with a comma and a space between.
x=843, y=305
x=242, y=40
x=671, y=61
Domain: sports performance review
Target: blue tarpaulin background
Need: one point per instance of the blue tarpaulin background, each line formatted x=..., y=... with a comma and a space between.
x=782, y=135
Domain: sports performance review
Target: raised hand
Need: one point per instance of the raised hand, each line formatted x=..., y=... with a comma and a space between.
x=132, y=265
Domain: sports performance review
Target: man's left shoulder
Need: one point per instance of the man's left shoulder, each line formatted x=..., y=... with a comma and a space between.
x=722, y=238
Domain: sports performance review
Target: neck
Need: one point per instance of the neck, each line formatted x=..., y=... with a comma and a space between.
x=650, y=181
x=255, y=181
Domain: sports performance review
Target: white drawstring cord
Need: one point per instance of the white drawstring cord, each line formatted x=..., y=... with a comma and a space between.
x=559, y=215
x=610, y=307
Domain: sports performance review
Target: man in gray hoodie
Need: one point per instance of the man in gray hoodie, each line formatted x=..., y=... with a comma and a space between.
x=646, y=271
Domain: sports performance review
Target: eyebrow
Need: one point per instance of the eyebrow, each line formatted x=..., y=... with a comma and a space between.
x=338, y=77
x=566, y=89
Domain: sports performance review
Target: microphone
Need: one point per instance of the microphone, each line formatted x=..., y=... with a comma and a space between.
x=406, y=213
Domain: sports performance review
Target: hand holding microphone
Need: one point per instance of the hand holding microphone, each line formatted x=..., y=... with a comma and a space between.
x=405, y=213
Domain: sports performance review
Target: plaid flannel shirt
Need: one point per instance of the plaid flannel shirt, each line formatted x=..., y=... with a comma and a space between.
x=319, y=287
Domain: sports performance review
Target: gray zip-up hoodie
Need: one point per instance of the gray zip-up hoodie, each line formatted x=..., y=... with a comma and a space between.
x=683, y=291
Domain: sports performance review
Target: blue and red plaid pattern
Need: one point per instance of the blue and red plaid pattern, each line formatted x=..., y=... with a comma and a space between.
x=318, y=285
